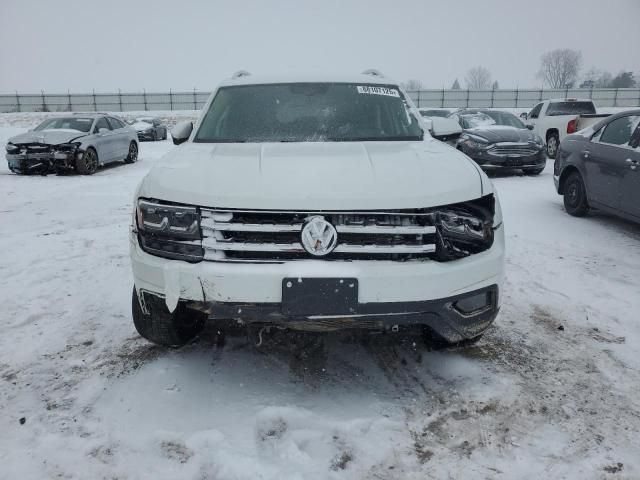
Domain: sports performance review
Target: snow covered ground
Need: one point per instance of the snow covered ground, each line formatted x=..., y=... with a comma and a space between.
x=552, y=391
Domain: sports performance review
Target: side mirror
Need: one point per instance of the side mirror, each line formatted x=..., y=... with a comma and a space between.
x=181, y=132
x=530, y=127
x=445, y=129
x=524, y=115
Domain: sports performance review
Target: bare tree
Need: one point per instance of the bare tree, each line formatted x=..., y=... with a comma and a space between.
x=495, y=86
x=456, y=85
x=596, y=78
x=410, y=85
x=478, y=78
x=559, y=68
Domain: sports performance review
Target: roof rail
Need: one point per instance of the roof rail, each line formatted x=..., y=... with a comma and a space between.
x=240, y=74
x=373, y=72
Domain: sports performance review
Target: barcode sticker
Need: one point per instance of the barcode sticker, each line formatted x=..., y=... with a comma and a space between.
x=369, y=90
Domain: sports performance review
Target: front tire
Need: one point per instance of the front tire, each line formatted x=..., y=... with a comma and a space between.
x=133, y=153
x=553, y=141
x=88, y=163
x=575, y=196
x=170, y=329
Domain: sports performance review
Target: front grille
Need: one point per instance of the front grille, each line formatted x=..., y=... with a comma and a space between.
x=276, y=236
x=520, y=149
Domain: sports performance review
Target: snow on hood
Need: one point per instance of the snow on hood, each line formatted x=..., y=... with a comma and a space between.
x=52, y=136
x=503, y=133
x=140, y=126
x=314, y=175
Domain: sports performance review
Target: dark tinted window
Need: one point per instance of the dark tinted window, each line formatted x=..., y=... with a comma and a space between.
x=101, y=123
x=115, y=123
x=619, y=131
x=570, y=108
x=535, y=111
x=434, y=113
x=308, y=112
x=69, y=123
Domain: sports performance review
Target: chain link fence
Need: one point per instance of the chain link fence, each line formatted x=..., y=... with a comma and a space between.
x=194, y=100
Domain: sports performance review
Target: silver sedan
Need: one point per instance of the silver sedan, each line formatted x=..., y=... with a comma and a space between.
x=79, y=142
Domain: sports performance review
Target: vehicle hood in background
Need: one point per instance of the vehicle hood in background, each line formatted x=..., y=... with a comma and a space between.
x=49, y=137
x=502, y=133
x=142, y=126
x=314, y=175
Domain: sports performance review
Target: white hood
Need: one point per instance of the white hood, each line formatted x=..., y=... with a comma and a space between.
x=142, y=126
x=50, y=137
x=314, y=176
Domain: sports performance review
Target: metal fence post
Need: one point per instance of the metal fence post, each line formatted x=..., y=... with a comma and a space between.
x=120, y=99
x=144, y=98
x=467, y=96
x=170, y=100
x=517, y=96
x=95, y=104
x=493, y=91
x=442, y=98
x=44, y=104
x=615, y=98
x=566, y=91
x=18, y=101
x=195, y=105
x=540, y=95
x=69, y=100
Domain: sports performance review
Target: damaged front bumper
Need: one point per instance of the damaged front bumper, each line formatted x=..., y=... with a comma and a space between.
x=43, y=159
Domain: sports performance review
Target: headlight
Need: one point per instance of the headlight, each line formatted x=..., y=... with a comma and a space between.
x=11, y=148
x=465, y=228
x=169, y=230
x=475, y=142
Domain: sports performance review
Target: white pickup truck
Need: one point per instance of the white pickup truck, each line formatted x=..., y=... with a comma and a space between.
x=556, y=118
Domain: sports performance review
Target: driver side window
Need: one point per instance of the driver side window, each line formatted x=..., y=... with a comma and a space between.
x=535, y=111
x=619, y=131
x=101, y=123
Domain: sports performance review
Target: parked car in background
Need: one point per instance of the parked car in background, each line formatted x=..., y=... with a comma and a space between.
x=328, y=209
x=499, y=140
x=80, y=142
x=435, y=112
x=599, y=167
x=555, y=119
x=149, y=128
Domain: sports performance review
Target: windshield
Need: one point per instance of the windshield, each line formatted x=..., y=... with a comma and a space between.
x=68, y=123
x=505, y=118
x=570, y=108
x=475, y=120
x=308, y=112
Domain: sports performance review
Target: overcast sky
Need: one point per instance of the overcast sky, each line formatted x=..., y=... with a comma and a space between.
x=182, y=44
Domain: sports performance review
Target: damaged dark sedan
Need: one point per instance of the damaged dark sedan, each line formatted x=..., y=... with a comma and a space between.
x=499, y=140
x=78, y=143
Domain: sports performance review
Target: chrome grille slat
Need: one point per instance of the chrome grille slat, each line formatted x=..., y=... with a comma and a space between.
x=253, y=235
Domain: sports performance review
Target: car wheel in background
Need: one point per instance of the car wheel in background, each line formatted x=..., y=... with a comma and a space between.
x=533, y=171
x=575, y=195
x=133, y=153
x=171, y=329
x=88, y=163
x=552, y=145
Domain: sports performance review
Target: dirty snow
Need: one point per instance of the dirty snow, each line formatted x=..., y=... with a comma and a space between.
x=550, y=392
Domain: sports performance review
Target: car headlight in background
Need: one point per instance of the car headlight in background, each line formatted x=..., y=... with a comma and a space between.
x=466, y=228
x=169, y=230
x=11, y=148
x=474, y=142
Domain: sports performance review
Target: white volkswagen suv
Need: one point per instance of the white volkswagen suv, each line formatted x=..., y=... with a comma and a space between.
x=314, y=204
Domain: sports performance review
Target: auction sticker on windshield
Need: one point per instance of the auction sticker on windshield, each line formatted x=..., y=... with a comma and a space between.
x=390, y=92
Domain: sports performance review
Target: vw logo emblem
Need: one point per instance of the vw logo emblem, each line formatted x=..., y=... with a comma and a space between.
x=319, y=237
